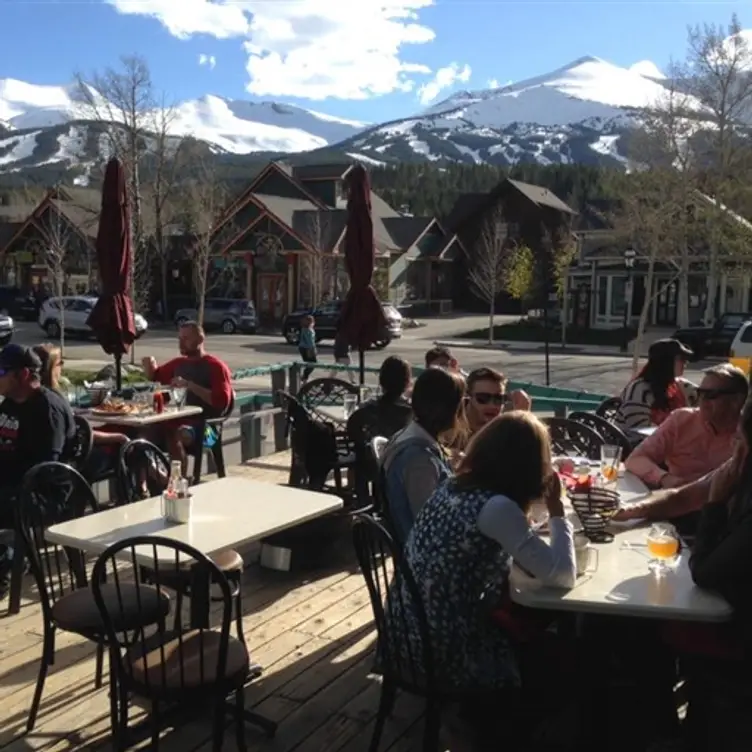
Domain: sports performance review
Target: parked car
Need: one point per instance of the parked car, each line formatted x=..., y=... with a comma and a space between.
x=741, y=347
x=7, y=329
x=15, y=302
x=228, y=314
x=327, y=317
x=75, y=313
x=715, y=339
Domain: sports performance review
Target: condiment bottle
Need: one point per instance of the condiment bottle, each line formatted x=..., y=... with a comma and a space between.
x=159, y=404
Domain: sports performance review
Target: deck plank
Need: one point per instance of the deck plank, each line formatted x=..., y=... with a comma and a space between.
x=312, y=632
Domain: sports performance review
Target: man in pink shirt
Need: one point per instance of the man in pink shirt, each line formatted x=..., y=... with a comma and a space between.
x=693, y=442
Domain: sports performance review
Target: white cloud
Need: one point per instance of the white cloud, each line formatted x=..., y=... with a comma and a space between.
x=493, y=83
x=443, y=79
x=208, y=60
x=313, y=49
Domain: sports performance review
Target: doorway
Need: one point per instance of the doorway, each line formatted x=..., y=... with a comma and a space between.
x=271, y=298
x=665, y=305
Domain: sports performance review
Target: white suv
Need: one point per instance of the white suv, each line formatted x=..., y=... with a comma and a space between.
x=76, y=311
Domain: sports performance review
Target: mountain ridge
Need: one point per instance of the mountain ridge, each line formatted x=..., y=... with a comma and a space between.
x=580, y=112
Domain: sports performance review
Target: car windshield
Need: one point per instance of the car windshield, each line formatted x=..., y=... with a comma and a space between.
x=734, y=319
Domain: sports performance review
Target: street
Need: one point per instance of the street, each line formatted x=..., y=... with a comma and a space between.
x=605, y=374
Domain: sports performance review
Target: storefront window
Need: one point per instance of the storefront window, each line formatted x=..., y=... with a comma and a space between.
x=602, y=295
x=618, y=295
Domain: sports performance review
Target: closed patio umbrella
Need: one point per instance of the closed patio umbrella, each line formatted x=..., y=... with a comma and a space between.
x=363, y=320
x=112, y=317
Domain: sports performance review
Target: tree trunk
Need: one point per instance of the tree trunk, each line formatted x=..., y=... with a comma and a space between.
x=643, y=320
x=682, y=303
x=164, y=264
x=491, y=312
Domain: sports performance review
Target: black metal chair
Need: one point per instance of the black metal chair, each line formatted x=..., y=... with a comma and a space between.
x=52, y=493
x=326, y=392
x=610, y=433
x=608, y=408
x=143, y=463
x=83, y=444
x=196, y=665
x=570, y=438
x=403, y=666
x=216, y=450
x=319, y=447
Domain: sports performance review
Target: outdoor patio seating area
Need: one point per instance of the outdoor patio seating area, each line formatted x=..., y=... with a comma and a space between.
x=312, y=632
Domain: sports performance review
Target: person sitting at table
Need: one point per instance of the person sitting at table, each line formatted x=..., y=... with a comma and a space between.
x=390, y=412
x=692, y=442
x=36, y=425
x=206, y=379
x=414, y=462
x=715, y=657
x=441, y=357
x=486, y=397
x=659, y=388
x=106, y=444
x=462, y=544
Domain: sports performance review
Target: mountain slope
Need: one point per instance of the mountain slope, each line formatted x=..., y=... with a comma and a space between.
x=582, y=112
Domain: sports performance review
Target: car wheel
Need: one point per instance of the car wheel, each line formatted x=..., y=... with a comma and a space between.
x=228, y=326
x=381, y=344
x=292, y=335
x=53, y=329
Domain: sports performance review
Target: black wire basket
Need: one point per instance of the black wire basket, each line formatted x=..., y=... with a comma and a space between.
x=595, y=506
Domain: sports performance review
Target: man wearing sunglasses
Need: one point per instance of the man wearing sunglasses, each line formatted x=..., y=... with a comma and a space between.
x=693, y=442
x=487, y=397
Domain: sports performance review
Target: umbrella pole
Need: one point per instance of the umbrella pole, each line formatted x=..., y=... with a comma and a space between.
x=118, y=373
x=362, y=366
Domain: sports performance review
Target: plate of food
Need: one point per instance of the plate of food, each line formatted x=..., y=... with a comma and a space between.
x=120, y=407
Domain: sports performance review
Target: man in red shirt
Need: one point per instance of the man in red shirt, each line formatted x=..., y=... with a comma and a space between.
x=206, y=379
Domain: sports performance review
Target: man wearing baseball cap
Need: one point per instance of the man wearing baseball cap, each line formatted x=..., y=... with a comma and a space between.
x=36, y=425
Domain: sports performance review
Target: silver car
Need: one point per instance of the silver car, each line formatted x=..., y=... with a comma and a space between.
x=226, y=314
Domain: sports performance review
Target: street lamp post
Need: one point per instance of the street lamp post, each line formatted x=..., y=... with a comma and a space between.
x=629, y=259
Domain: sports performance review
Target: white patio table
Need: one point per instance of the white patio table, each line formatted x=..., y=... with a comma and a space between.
x=141, y=420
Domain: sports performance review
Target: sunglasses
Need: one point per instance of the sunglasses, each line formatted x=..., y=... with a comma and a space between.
x=486, y=398
x=711, y=394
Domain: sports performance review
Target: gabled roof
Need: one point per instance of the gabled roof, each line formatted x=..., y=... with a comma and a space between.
x=406, y=231
x=540, y=196
x=335, y=171
x=324, y=230
x=83, y=219
x=464, y=207
x=284, y=208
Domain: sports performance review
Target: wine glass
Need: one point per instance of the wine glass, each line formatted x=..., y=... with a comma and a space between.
x=350, y=405
x=663, y=544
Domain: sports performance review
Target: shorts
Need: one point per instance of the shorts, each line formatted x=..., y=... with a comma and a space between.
x=209, y=438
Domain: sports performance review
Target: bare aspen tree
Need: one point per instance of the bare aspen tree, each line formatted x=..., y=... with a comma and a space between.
x=717, y=73
x=205, y=200
x=488, y=264
x=665, y=143
x=319, y=232
x=648, y=219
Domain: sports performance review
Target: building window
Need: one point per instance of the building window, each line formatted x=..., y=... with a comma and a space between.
x=618, y=295
x=602, y=295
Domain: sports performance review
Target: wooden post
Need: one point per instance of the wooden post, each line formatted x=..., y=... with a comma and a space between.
x=249, y=439
x=279, y=381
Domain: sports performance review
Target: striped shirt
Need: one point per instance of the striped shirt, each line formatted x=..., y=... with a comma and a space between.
x=638, y=409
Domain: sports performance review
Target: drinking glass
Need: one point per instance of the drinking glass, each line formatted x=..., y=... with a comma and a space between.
x=365, y=393
x=610, y=461
x=663, y=544
x=350, y=405
x=178, y=395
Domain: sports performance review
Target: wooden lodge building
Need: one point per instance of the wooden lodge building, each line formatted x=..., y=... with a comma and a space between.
x=280, y=243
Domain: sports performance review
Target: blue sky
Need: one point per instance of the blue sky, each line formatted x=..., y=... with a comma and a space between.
x=350, y=58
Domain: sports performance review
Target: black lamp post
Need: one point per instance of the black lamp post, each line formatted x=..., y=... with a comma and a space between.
x=629, y=259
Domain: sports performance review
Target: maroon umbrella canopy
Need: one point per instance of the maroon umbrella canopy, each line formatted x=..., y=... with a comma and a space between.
x=363, y=321
x=112, y=317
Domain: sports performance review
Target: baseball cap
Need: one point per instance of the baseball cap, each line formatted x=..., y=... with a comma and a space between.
x=16, y=357
x=669, y=348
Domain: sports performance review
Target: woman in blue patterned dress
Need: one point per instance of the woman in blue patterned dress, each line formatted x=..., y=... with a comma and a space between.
x=464, y=539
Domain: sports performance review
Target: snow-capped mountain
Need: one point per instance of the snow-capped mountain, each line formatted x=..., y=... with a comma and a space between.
x=577, y=113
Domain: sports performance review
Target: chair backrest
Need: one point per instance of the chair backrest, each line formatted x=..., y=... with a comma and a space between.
x=378, y=445
x=393, y=591
x=143, y=470
x=52, y=493
x=570, y=438
x=147, y=661
x=83, y=443
x=228, y=410
x=608, y=408
x=325, y=392
x=610, y=433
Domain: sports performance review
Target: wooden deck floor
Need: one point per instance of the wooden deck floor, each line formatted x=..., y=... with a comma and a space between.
x=313, y=634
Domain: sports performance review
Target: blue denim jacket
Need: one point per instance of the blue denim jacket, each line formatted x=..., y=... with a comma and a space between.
x=400, y=510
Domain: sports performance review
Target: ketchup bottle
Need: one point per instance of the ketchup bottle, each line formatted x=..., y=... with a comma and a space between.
x=158, y=402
